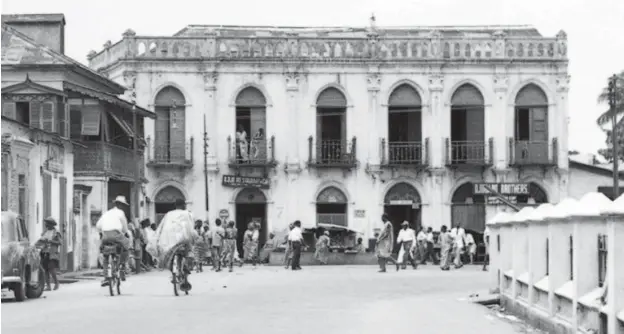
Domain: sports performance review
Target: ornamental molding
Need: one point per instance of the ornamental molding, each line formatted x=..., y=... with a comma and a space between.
x=292, y=80
x=501, y=83
x=436, y=83
x=210, y=80
x=373, y=81
x=563, y=83
x=130, y=78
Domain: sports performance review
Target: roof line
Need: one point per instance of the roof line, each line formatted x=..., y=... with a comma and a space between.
x=526, y=26
x=78, y=65
x=597, y=168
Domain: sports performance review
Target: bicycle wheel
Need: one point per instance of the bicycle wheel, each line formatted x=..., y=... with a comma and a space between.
x=174, y=272
x=111, y=275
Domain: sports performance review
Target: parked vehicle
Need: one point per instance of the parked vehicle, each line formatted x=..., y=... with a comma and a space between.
x=21, y=263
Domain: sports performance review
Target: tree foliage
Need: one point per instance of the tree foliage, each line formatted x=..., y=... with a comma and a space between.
x=604, y=120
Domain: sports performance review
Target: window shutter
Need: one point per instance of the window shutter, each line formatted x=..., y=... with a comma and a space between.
x=75, y=122
x=35, y=114
x=8, y=109
x=47, y=116
x=60, y=119
x=67, y=124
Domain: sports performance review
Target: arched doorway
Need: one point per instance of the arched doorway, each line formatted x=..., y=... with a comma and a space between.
x=468, y=209
x=531, y=130
x=404, y=126
x=467, y=126
x=331, y=207
x=250, y=126
x=536, y=196
x=251, y=206
x=169, y=129
x=331, y=126
x=165, y=201
x=402, y=203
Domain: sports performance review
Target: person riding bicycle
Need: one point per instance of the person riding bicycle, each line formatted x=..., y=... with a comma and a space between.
x=175, y=235
x=113, y=228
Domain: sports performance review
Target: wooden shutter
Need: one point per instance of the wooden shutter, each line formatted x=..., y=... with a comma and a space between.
x=47, y=195
x=318, y=141
x=63, y=220
x=8, y=109
x=161, y=134
x=75, y=121
x=35, y=114
x=177, y=132
x=539, y=135
x=343, y=134
x=413, y=126
x=61, y=120
x=48, y=117
x=475, y=125
x=91, y=119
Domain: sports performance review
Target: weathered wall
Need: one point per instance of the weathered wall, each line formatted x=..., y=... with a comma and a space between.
x=583, y=181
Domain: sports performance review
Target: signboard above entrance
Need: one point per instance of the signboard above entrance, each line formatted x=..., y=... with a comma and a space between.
x=508, y=189
x=246, y=181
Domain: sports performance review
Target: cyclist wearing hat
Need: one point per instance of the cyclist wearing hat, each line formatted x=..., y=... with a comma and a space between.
x=113, y=228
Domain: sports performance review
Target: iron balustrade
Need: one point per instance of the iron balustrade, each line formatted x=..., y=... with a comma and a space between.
x=253, y=152
x=533, y=152
x=602, y=259
x=331, y=152
x=405, y=152
x=469, y=152
x=170, y=153
x=102, y=157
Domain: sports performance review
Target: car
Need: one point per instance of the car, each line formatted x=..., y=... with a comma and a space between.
x=21, y=263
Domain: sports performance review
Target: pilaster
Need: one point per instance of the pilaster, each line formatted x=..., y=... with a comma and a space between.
x=500, y=112
x=563, y=85
x=373, y=81
x=293, y=80
x=211, y=112
x=438, y=120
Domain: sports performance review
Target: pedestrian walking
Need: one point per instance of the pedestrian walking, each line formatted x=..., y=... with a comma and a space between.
x=50, y=244
x=322, y=248
x=471, y=247
x=459, y=236
x=229, y=244
x=218, y=234
x=429, y=242
x=250, y=243
x=385, y=243
x=295, y=237
x=199, y=248
x=208, y=242
x=446, y=244
x=288, y=250
x=486, y=241
x=421, y=245
x=407, y=241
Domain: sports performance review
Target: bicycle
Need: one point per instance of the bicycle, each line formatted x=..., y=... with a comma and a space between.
x=180, y=271
x=113, y=270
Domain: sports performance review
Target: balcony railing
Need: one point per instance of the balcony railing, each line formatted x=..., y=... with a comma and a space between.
x=255, y=153
x=332, y=153
x=101, y=157
x=405, y=153
x=533, y=153
x=170, y=154
x=472, y=153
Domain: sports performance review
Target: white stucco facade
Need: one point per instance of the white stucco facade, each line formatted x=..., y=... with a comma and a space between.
x=291, y=86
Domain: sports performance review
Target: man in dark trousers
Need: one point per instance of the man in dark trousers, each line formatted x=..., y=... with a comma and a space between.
x=295, y=237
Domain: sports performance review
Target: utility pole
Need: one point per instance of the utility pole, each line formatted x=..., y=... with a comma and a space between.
x=614, y=135
x=206, y=165
x=137, y=162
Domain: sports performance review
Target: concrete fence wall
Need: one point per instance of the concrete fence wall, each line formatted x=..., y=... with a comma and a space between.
x=561, y=267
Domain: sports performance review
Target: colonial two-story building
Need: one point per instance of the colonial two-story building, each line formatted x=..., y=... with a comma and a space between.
x=67, y=137
x=338, y=125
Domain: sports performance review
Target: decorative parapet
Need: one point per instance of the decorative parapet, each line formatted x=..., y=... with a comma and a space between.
x=339, y=45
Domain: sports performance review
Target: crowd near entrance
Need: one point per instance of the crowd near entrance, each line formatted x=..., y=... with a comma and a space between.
x=402, y=203
x=251, y=206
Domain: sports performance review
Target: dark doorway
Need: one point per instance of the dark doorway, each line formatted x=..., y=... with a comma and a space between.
x=246, y=213
x=467, y=125
x=400, y=213
x=251, y=206
x=165, y=201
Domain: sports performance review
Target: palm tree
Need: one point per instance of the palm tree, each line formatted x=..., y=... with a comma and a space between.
x=604, y=120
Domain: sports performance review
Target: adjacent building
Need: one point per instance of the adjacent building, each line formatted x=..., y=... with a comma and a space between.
x=66, y=136
x=338, y=125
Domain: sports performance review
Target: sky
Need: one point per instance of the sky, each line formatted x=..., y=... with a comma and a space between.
x=595, y=30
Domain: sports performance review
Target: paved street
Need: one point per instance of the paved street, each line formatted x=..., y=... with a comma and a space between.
x=273, y=300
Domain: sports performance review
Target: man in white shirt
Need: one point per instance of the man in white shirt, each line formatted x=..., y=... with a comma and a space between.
x=113, y=228
x=295, y=237
x=429, y=250
x=459, y=235
x=407, y=239
x=421, y=245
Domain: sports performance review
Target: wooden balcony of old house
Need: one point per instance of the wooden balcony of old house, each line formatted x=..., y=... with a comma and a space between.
x=257, y=153
x=533, y=153
x=170, y=154
x=332, y=153
x=468, y=154
x=405, y=154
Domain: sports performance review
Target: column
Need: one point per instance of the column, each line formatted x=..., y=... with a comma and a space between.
x=562, y=117
x=437, y=122
x=292, y=145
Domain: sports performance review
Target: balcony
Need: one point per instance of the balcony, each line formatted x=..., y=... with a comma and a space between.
x=533, y=152
x=405, y=153
x=99, y=158
x=332, y=153
x=469, y=153
x=256, y=153
x=170, y=155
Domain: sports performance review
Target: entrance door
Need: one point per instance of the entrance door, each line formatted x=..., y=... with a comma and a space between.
x=251, y=206
x=165, y=201
x=400, y=213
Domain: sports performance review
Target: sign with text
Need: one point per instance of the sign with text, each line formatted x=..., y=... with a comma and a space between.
x=505, y=189
x=246, y=181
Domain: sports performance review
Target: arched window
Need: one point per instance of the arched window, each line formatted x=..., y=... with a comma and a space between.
x=531, y=130
x=402, y=203
x=468, y=209
x=467, y=126
x=331, y=126
x=169, y=131
x=537, y=195
x=331, y=207
x=251, y=143
x=165, y=201
x=404, y=126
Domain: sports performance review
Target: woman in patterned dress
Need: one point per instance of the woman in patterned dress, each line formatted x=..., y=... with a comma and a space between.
x=229, y=244
x=199, y=248
x=385, y=243
x=322, y=248
x=288, y=253
x=446, y=244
